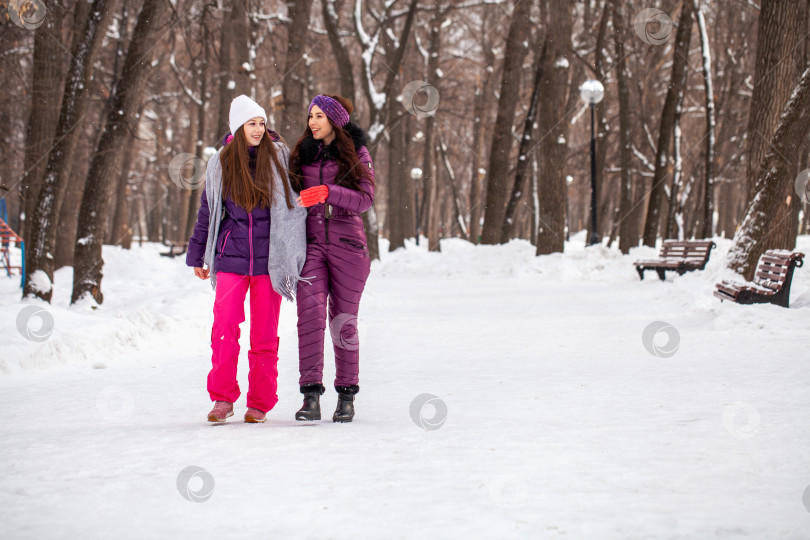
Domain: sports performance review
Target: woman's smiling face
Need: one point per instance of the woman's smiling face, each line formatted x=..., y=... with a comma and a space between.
x=320, y=126
x=254, y=130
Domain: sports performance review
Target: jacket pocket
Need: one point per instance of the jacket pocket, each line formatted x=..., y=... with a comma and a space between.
x=224, y=242
x=356, y=244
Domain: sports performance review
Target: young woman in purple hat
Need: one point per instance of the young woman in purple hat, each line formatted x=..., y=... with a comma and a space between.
x=250, y=236
x=331, y=167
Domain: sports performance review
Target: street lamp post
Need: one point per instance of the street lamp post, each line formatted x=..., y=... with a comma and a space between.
x=592, y=93
x=416, y=175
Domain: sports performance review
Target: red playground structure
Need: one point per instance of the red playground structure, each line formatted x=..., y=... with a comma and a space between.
x=7, y=236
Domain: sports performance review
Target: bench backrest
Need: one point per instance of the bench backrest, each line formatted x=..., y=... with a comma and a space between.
x=696, y=250
x=774, y=266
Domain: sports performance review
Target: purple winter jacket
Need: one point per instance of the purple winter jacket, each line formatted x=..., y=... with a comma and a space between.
x=243, y=242
x=345, y=224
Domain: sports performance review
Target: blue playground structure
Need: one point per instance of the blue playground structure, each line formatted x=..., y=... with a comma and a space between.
x=7, y=235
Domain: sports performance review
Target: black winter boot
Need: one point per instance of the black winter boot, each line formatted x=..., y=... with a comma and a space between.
x=345, y=404
x=311, y=410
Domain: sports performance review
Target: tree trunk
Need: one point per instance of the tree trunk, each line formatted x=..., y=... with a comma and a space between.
x=483, y=92
x=399, y=221
x=234, y=79
x=707, y=208
x=341, y=52
x=122, y=231
x=553, y=131
x=428, y=202
x=754, y=235
x=292, y=86
x=628, y=216
x=525, y=145
x=43, y=230
x=778, y=67
x=97, y=116
x=675, y=224
x=475, y=174
x=451, y=180
x=497, y=179
x=677, y=82
x=195, y=190
x=429, y=212
x=122, y=124
x=534, y=226
x=181, y=228
x=46, y=93
x=376, y=105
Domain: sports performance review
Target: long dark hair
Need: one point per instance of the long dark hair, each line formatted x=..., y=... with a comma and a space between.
x=350, y=170
x=237, y=181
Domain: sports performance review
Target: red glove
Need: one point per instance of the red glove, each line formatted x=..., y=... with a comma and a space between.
x=313, y=195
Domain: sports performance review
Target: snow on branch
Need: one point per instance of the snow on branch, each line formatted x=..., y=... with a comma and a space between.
x=642, y=157
x=186, y=89
x=369, y=46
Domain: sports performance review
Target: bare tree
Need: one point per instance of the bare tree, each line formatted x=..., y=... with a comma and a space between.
x=395, y=51
x=708, y=193
x=39, y=256
x=778, y=67
x=121, y=231
x=675, y=219
x=121, y=125
x=400, y=221
x=627, y=229
x=452, y=182
x=342, y=56
x=752, y=238
x=200, y=99
x=497, y=180
x=46, y=92
x=553, y=130
x=292, y=85
x=234, y=60
x=429, y=212
x=676, y=86
x=526, y=141
x=484, y=83
x=101, y=96
x=601, y=124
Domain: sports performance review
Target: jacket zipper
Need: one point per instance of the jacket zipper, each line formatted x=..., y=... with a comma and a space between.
x=224, y=241
x=250, y=241
x=325, y=219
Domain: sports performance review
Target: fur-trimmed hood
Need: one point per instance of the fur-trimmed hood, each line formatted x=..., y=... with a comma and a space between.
x=312, y=148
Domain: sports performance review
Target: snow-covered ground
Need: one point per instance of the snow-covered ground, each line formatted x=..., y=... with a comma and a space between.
x=547, y=415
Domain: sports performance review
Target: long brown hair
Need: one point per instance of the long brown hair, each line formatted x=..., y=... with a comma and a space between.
x=350, y=170
x=237, y=182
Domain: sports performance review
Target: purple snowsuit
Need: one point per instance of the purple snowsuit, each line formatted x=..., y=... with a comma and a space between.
x=337, y=260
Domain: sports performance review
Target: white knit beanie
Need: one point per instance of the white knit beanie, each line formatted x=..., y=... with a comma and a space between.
x=243, y=109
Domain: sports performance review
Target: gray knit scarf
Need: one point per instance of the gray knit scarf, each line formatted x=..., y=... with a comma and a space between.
x=288, y=238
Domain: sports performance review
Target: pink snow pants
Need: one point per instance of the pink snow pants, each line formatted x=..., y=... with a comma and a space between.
x=229, y=313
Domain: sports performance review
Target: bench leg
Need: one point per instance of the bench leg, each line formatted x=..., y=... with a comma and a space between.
x=661, y=273
x=640, y=271
x=782, y=298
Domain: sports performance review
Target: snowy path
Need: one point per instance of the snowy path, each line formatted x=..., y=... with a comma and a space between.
x=559, y=424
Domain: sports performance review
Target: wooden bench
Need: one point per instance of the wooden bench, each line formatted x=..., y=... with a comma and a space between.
x=174, y=250
x=678, y=255
x=771, y=282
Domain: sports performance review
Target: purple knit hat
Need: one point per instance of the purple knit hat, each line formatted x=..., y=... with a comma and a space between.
x=332, y=108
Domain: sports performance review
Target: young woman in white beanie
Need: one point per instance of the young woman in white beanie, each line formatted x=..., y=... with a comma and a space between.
x=249, y=235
